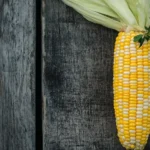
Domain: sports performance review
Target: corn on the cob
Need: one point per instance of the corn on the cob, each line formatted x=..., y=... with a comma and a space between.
x=131, y=63
x=131, y=90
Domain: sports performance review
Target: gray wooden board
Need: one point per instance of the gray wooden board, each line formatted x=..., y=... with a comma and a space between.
x=78, y=109
x=17, y=65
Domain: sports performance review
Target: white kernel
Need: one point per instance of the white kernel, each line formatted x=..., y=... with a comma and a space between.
x=120, y=64
x=145, y=56
x=120, y=107
x=140, y=95
x=140, y=79
x=132, y=131
x=125, y=112
x=132, y=70
x=133, y=67
x=125, y=82
x=145, y=67
x=119, y=87
x=145, y=115
x=145, y=107
x=146, y=103
x=146, y=70
x=132, y=45
x=125, y=79
x=133, y=58
x=125, y=143
x=132, y=141
x=139, y=127
x=121, y=130
x=146, y=89
x=120, y=68
x=126, y=47
x=140, y=99
x=119, y=100
x=132, y=138
x=140, y=105
x=139, y=66
x=133, y=49
x=126, y=53
x=144, y=128
x=139, y=116
x=120, y=61
x=120, y=58
x=126, y=89
x=126, y=72
x=139, y=112
x=120, y=75
x=139, y=57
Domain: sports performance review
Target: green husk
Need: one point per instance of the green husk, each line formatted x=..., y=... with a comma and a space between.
x=121, y=15
x=95, y=16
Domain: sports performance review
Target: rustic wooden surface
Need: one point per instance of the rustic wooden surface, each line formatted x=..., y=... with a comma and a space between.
x=17, y=65
x=77, y=75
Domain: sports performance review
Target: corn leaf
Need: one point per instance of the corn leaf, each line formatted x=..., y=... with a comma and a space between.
x=133, y=8
x=141, y=10
x=147, y=10
x=96, y=17
x=121, y=15
x=96, y=6
x=122, y=9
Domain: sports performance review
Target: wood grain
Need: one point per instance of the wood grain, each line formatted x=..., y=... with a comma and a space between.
x=17, y=71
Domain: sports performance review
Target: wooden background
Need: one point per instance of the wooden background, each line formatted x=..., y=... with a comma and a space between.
x=17, y=75
x=77, y=77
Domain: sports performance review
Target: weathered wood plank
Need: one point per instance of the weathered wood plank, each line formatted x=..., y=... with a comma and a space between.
x=17, y=75
x=77, y=82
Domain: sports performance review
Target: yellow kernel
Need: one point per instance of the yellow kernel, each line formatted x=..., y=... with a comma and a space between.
x=132, y=134
x=132, y=146
x=138, y=137
x=132, y=115
x=132, y=128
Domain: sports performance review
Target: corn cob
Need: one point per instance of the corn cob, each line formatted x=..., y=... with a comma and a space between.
x=131, y=63
x=131, y=90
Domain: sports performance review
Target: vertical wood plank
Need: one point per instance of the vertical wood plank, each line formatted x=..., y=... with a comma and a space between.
x=78, y=109
x=17, y=75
